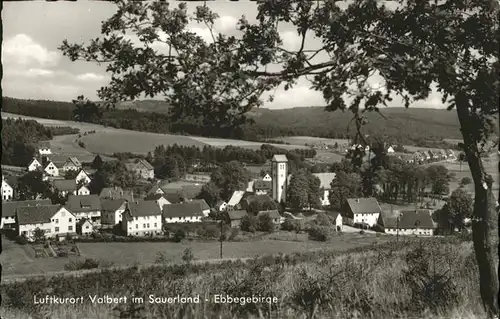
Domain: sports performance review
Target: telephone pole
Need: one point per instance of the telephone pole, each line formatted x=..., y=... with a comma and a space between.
x=221, y=224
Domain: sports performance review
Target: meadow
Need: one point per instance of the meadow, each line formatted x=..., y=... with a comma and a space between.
x=418, y=278
x=303, y=140
x=18, y=261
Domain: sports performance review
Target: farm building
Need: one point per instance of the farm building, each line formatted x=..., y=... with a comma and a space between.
x=7, y=190
x=116, y=193
x=173, y=197
x=52, y=219
x=160, y=199
x=51, y=169
x=142, y=168
x=205, y=208
x=64, y=186
x=84, y=227
x=235, y=217
x=235, y=199
x=411, y=222
x=142, y=218
x=112, y=210
x=71, y=164
x=190, y=212
x=9, y=210
x=325, y=180
x=363, y=210
x=88, y=206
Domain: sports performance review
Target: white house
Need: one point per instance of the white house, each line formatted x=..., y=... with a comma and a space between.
x=44, y=148
x=363, y=210
x=155, y=190
x=235, y=199
x=51, y=169
x=142, y=218
x=325, y=184
x=189, y=212
x=83, y=191
x=142, y=168
x=413, y=222
x=112, y=210
x=279, y=168
x=9, y=210
x=390, y=150
x=64, y=186
x=160, y=199
x=84, y=227
x=338, y=222
x=221, y=206
x=52, y=219
x=34, y=165
x=88, y=206
x=71, y=164
x=82, y=177
x=267, y=178
x=7, y=190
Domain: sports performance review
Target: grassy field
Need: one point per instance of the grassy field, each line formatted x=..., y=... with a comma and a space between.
x=19, y=260
x=303, y=140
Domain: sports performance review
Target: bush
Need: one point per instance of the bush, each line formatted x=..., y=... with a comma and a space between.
x=234, y=233
x=265, y=223
x=249, y=224
x=179, y=235
x=21, y=240
x=319, y=233
x=323, y=220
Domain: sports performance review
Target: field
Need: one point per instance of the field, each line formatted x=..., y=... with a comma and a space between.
x=20, y=261
x=303, y=140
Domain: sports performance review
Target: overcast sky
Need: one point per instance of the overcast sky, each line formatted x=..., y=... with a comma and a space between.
x=35, y=69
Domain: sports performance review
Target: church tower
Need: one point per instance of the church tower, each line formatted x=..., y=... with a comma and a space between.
x=279, y=168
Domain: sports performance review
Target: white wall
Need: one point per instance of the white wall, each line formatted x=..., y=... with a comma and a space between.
x=61, y=223
x=45, y=151
x=142, y=224
x=261, y=192
x=87, y=228
x=112, y=217
x=325, y=200
x=52, y=170
x=93, y=216
x=406, y=232
x=8, y=222
x=7, y=191
x=83, y=191
x=172, y=220
x=370, y=219
x=280, y=173
x=82, y=176
x=33, y=166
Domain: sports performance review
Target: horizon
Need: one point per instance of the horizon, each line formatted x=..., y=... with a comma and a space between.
x=35, y=69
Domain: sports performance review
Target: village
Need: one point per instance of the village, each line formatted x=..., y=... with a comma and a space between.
x=82, y=214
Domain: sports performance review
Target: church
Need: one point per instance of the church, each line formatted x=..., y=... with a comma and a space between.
x=279, y=172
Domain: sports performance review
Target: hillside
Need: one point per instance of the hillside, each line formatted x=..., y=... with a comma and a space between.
x=407, y=126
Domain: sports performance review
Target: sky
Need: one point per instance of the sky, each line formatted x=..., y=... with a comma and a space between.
x=35, y=69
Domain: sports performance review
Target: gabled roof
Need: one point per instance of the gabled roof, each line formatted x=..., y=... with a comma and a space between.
x=237, y=214
x=236, y=198
x=83, y=203
x=142, y=208
x=203, y=204
x=48, y=163
x=279, y=158
x=325, y=179
x=189, y=209
x=82, y=221
x=116, y=193
x=154, y=188
x=140, y=164
x=173, y=197
x=112, y=205
x=44, y=144
x=364, y=205
x=36, y=214
x=74, y=161
x=145, y=164
x=259, y=185
x=64, y=184
x=190, y=191
x=33, y=160
x=272, y=213
x=420, y=218
x=258, y=198
x=84, y=172
x=154, y=197
x=9, y=208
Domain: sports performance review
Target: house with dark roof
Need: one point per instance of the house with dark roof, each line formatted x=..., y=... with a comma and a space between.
x=261, y=187
x=116, y=193
x=235, y=200
x=71, y=164
x=142, y=218
x=409, y=222
x=173, y=197
x=160, y=199
x=64, y=186
x=83, y=191
x=235, y=217
x=51, y=169
x=142, y=168
x=221, y=206
x=205, y=208
x=189, y=212
x=34, y=165
x=52, y=219
x=112, y=210
x=44, y=148
x=88, y=206
x=189, y=192
x=363, y=210
x=9, y=210
x=7, y=190
x=155, y=189
x=84, y=227
x=82, y=177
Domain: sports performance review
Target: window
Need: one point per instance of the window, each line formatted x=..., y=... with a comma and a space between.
x=155, y=225
x=143, y=225
x=136, y=226
x=70, y=220
x=57, y=221
x=57, y=229
x=87, y=227
x=147, y=225
x=70, y=228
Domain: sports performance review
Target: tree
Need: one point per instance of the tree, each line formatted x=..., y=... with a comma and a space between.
x=86, y=111
x=39, y=235
x=458, y=207
x=210, y=193
x=249, y=223
x=265, y=223
x=465, y=181
x=461, y=158
x=32, y=186
x=345, y=186
x=230, y=177
x=450, y=44
x=313, y=191
x=97, y=162
x=169, y=168
x=298, y=191
x=70, y=174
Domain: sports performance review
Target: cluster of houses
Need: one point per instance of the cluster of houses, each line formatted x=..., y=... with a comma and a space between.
x=84, y=213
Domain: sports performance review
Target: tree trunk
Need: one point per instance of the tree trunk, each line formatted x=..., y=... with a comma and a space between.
x=485, y=218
